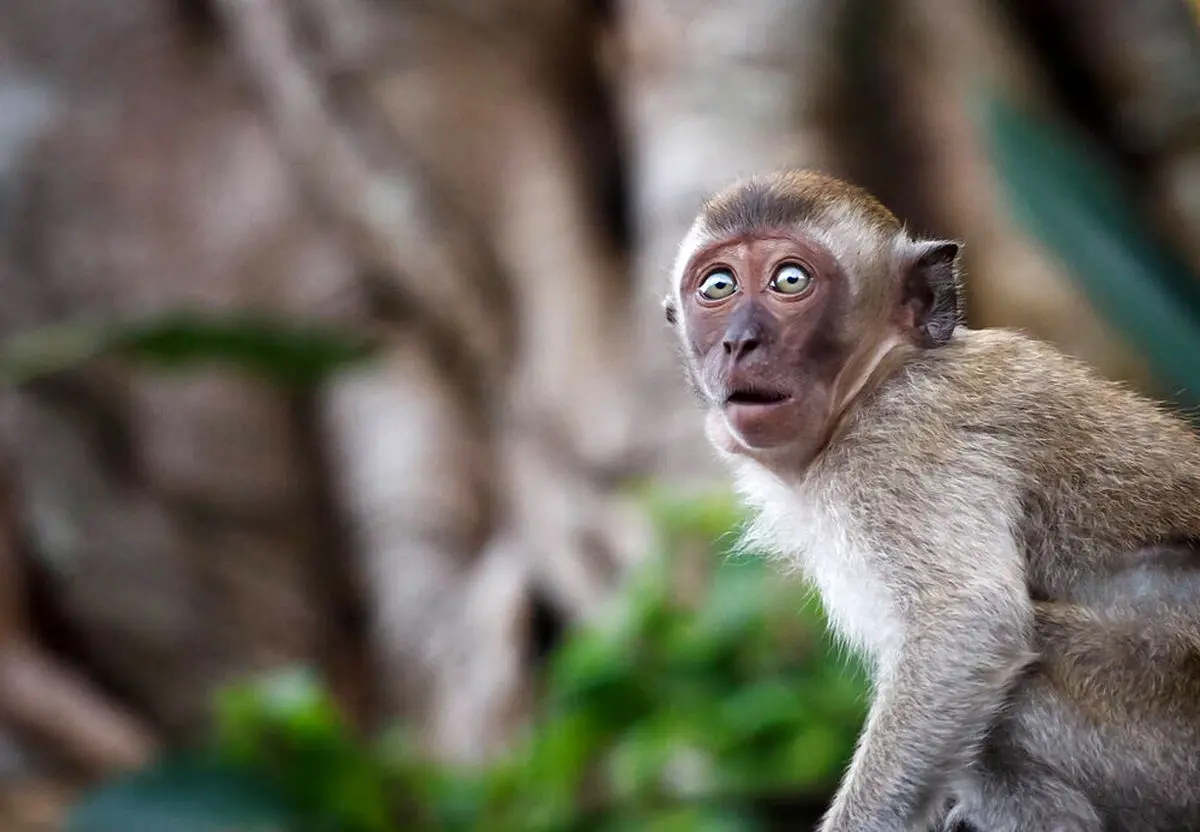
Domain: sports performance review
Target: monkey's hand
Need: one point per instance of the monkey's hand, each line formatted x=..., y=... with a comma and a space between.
x=935, y=700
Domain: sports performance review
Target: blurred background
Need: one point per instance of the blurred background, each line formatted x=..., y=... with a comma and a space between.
x=347, y=480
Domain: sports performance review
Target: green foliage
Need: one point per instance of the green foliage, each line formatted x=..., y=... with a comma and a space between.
x=287, y=728
x=1081, y=210
x=661, y=715
x=285, y=353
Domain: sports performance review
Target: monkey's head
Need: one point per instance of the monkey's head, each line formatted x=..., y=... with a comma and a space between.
x=792, y=294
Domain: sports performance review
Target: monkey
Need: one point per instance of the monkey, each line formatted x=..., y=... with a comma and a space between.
x=1010, y=540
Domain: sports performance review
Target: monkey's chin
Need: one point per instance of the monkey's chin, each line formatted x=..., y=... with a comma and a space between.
x=751, y=430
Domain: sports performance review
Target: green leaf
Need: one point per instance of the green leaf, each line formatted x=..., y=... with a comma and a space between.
x=771, y=706
x=289, y=354
x=286, y=353
x=287, y=725
x=635, y=766
x=1080, y=209
x=192, y=794
x=599, y=673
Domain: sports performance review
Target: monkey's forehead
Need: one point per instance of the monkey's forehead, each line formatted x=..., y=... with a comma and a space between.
x=791, y=198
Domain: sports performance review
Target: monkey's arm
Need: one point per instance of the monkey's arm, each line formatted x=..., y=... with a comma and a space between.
x=965, y=643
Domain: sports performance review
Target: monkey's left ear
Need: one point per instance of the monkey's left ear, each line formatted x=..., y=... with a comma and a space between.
x=930, y=291
x=668, y=305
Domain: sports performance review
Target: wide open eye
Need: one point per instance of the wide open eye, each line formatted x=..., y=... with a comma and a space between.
x=791, y=279
x=718, y=285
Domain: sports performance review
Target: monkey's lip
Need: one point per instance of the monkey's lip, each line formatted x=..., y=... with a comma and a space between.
x=755, y=397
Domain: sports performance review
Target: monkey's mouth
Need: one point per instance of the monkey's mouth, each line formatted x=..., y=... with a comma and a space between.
x=755, y=396
x=759, y=416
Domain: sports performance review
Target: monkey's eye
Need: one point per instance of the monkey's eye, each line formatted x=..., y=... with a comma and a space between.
x=718, y=285
x=791, y=280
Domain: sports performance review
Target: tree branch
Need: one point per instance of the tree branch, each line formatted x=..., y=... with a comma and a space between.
x=55, y=704
x=437, y=263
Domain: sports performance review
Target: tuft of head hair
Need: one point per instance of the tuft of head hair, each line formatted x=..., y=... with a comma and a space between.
x=789, y=198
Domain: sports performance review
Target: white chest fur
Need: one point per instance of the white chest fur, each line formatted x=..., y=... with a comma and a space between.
x=803, y=526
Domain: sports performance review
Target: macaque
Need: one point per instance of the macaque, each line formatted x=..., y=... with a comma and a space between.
x=1011, y=541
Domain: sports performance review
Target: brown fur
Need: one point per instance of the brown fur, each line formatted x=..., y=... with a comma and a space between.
x=789, y=198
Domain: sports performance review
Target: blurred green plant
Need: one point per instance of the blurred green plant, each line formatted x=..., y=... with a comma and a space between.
x=286, y=353
x=660, y=715
x=1079, y=207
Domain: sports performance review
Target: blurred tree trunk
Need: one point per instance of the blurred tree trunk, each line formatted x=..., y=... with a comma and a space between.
x=477, y=473
x=172, y=521
x=180, y=523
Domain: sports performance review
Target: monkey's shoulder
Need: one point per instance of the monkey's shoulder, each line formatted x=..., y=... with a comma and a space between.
x=1003, y=384
x=997, y=410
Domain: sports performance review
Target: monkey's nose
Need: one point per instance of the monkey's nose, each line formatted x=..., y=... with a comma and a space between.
x=744, y=333
x=739, y=345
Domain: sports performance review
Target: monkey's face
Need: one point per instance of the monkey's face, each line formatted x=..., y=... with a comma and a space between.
x=759, y=314
x=794, y=293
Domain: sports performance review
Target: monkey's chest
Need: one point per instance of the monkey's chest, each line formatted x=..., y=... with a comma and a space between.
x=823, y=537
x=854, y=595
x=848, y=574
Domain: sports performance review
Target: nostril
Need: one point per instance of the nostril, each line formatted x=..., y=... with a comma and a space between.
x=740, y=347
x=744, y=333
